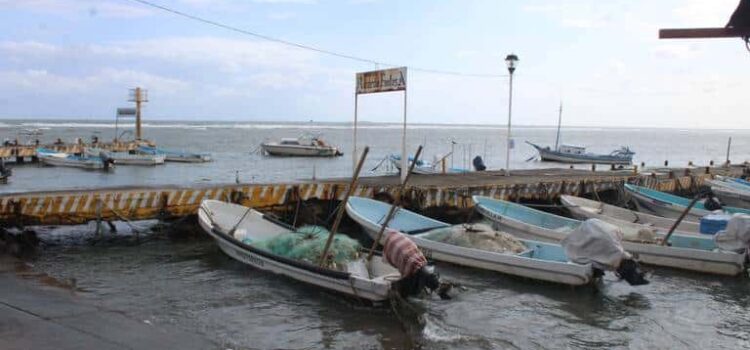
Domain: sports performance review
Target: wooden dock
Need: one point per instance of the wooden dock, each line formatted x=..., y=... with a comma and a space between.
x=424, y=191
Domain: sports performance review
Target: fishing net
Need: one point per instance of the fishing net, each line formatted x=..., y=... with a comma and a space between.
x=307, y=244
x=478, y=236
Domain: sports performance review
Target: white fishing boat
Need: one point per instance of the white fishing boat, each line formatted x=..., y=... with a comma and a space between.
x=54, y=158
x=534, y=260
x=731, y=193
x=175, y=156
x=226, y=222
x=583, y=209
x=687, y=252
x=671, y=206
x=126, y=158
x=300, y=147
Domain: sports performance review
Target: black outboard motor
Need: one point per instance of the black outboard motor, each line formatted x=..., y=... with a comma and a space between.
x=597, y=243
x=630, y=271
x=712, y=203
x=479, y=164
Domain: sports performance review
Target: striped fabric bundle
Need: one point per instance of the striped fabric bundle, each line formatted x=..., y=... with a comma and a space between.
x=402, y=253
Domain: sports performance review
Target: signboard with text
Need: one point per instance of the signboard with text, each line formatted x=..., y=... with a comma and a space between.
x=125, y=112
x=385, y=80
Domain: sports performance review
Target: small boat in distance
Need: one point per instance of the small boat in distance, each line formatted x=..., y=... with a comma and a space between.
x=578, y=154
x=54, y=158
x=176, y=156
x=126, y=158
x=424, y=167
x=302, y=146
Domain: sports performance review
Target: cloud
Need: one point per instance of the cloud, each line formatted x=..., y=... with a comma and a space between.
x=41, y=81
x=77, y=8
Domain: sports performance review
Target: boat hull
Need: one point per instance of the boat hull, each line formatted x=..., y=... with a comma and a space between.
x=555, y=156
x=373, y=290
x=93, y=164
x=713, y=262
x=510, y=264
x=583, y=209
x=299, y=151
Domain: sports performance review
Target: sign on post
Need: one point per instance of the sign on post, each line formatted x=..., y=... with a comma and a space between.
x=125, y=112
x=385, y=80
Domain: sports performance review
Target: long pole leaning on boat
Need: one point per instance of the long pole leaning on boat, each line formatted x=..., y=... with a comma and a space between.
x=682, y=216
x=342, y=210
x=396, y=204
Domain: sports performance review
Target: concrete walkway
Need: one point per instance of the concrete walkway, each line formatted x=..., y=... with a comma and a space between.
x=36, y=316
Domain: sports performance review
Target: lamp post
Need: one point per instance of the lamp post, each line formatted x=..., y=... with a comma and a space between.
x=511, y=61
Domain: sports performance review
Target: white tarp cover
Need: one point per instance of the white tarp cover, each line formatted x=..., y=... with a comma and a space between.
x=595, y=242
x=736, y=236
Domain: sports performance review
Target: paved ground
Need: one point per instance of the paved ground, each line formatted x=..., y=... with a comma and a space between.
x=35, y=313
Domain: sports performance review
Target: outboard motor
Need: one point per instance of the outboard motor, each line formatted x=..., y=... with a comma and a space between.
x=106, y=160
x=597, y=243
x=736, y=236
x=416, y=276
x=712, y=203
x=479, y=164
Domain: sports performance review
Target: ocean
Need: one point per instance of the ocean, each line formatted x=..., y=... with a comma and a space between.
x=183, y=279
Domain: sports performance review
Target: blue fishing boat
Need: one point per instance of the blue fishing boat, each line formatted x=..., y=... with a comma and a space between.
x=54, y=158
x=688, y=252
x=176, y=156
x=671, y=206
x=525, y=258
x=424, y=167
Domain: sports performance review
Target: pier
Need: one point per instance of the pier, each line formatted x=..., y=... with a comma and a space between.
x=424, y=192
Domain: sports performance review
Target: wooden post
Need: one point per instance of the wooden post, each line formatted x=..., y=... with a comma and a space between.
x=703, y=33
x=342, y=209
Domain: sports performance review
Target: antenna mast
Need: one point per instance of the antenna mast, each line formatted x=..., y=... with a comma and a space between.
x=559, y=122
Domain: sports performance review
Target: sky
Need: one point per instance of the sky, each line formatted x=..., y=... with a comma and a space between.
x=602, y=59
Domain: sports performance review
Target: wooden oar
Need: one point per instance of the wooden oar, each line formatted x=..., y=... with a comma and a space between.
x=342, y=208
x=395, y=205
x=682, y=216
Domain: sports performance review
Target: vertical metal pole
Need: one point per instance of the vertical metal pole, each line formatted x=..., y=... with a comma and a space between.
x=404, y=157
x=510, y=108
x=138, y=113
x=354, y=139
x=729, y=146
x=559, y=122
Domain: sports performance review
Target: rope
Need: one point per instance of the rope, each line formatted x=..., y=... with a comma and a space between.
x=309, y=47
x=354, y=290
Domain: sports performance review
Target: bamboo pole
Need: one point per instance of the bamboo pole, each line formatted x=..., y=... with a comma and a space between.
x=342, y=208
x=396, y=204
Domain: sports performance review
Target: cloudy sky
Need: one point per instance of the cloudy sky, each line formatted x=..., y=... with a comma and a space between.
x=77, y=59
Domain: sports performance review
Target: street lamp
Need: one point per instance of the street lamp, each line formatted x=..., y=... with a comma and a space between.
x=510, y=60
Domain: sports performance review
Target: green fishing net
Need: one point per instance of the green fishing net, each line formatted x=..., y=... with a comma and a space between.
x=307, y=244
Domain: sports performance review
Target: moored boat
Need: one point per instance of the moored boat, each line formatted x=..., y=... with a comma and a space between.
x=125, y=158
x=424, y=167
x=583, y=209
x=300, y=147
x=235, y=229
x=671, y=206
x=175, y=156
x=688, y=252
x=730, y=192
x=535, y=260
x=576, y=154
x=50, y=157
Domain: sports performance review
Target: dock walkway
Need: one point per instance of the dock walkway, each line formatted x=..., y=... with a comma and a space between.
x=425, y=191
